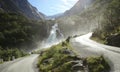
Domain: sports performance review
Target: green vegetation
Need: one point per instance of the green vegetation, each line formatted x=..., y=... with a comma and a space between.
x=16, y=30
x=10, y=54
x=55, y=60
x=61, y=58
x=109, y=31
x=97, y=64
x=18, y=33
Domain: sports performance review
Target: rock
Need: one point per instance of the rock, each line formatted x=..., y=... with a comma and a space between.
x=47, y=61
x=77, y=65
x=76, y=62
x=114, y=40
x=67, y=51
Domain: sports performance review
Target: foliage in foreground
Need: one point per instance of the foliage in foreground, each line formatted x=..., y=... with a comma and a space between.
x=97, y=64
x=55, y=60
x=11, y=54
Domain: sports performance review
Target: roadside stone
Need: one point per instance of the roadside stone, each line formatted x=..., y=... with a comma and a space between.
x=76, y=62
x=77, y=66
x=67, y=51
x=47, y=61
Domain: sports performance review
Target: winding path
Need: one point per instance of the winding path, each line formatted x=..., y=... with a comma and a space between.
x=82, y=45
x=86, y=47
x=25, y=64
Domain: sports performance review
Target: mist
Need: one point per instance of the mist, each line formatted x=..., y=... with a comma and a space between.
x=83, y=17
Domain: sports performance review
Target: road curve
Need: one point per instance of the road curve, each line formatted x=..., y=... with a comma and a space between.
x=25, y=64
x=86, y=47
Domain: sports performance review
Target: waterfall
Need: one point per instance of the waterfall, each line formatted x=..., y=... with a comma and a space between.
x=53, y=34
x=53, y=37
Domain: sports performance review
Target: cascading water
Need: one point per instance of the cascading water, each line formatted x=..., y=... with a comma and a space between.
x=53, y=34
x=53, y=37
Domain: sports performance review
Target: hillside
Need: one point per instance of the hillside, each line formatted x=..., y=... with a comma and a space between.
x=16, y=30
x=63, y=58
x=85, y=18
x=109, y=29
x=88, y=15
x=79, y=7
x=21, y=26
x=22, y=7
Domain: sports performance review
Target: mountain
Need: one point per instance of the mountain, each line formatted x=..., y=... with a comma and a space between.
x=55, y=16
x=78, y=7
x=108, y=32
x=83, y=17
x=21, y=25
x=99, y=16
x=22, y=7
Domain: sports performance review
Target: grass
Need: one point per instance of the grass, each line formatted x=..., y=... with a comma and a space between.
x=1, y=62
x=98, y=40
x=7, y=55
x=97, y=64
x=55, y=59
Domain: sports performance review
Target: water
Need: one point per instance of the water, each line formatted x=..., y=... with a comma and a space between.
x=53, y=37
x=53, y=34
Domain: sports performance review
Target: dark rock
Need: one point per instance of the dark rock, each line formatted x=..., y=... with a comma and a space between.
x=78, y=67
x=114, y=40
x=67, y=51
x=47, y=61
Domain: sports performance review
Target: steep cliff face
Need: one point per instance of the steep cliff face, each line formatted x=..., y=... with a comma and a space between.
x=23, y=7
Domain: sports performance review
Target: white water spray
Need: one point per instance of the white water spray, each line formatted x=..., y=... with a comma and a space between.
x=52, y=38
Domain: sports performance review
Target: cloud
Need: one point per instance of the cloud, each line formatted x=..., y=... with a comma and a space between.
x=58, y=9
x=65, y=5
x=69, y=3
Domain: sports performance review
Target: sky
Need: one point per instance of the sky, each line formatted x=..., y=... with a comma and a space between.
x=52, y=7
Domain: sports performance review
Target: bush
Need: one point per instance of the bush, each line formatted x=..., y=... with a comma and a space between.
x=97, y=64
x=8, y=54
x=54, y=60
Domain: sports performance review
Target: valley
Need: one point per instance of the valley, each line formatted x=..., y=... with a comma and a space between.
x=84, y=38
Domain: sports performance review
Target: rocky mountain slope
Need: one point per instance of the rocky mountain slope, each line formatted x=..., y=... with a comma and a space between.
x=22, y=7
x=100, y=16
x=21, y=25
x=108, y=32
x=78, y=7
x=84, y=16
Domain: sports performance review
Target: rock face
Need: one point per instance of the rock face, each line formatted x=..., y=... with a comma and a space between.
x=22, y=7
